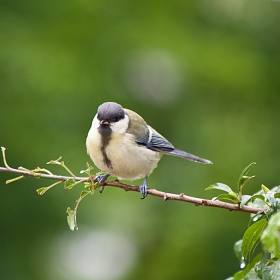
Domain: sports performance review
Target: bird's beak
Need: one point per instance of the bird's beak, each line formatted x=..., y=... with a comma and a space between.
x=105, y=122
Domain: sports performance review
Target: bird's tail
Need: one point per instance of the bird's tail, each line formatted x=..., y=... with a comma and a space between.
x=188, y=156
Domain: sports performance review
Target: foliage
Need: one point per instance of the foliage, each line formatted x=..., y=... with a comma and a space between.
x=263, y=228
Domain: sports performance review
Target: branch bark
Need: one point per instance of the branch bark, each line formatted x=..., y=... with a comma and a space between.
x=166, y=196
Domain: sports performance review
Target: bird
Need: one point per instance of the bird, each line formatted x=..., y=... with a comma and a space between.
x=121, y=144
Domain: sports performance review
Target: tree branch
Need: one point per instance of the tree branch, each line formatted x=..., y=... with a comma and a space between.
x=166, y=196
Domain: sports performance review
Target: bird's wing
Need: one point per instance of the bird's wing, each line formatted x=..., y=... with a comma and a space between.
x=154, y=141
x=146, y=135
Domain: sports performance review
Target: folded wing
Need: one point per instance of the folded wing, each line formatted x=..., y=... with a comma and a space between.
x=156, y=142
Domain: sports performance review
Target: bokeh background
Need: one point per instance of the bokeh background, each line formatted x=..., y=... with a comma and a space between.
x=205, y=74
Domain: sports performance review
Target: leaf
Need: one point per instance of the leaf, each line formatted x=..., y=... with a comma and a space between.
x=244, y=200
x=251, y=238
x=265, y=189
x=220, y=186
x=252, y=275
x=57, y=161
x=271, y=272
x=270, y=236
x=87, y=171
x=238, y=249
x=255, y=218
x=14, y=179
x=277, y=195
x=41, y=191
x=264, y=261
x=229, y=196
x=72, y=214
x=258, y=200
x=87, y=185
x=258, y=196
x=248, y=270
x=71, y=219
x=243, y=178
x=83, y=194
x=69, y=183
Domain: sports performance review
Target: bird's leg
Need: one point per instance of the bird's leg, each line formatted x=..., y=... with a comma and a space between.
x=100, y=179
x=144, y=188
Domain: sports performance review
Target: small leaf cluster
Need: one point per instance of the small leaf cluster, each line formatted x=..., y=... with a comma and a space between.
x=89, y=188
x=89, y=184
x=69, y=184
x=263, y=230
x=230, y=195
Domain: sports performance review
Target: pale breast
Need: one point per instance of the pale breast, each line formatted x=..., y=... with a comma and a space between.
x=93, y=144
x=129, y=160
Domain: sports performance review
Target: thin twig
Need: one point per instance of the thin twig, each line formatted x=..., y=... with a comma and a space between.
x=41, y=175
x=166, y=196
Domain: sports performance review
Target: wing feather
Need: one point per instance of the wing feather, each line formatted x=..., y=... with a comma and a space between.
x=156, y=142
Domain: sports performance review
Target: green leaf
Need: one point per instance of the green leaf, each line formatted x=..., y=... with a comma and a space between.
x=87, y=185
x=71, y=219
x=243, y=178
x=258, y=196
x=251, y=238
x=220, y=186
x=238, y=250
x=264, y=261
x=277, y=195
x=69, y=183
x=232, y=197
x=259, y=201
x=265, y=189
x=57, y=161
x=271, y=272
x=255, y=218
x=252, y=275
x=41, y=191
x=270, y=236
x=244, y=200
x=87, y=171
x=14, y=179
x=248, y=271
x=83, y=194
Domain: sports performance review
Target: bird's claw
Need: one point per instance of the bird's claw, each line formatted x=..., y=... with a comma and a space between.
x=100, y=179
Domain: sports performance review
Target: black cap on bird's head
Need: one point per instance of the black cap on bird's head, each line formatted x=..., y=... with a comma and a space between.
x=110, y=112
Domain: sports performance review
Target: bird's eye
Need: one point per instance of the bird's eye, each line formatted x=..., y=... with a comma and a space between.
x=116, y=119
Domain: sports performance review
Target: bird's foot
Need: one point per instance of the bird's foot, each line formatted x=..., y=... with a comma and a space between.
x=144, y=188
x=100, y=179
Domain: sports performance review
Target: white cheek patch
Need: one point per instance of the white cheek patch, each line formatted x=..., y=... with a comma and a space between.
x=95, y=123
x=120, y=126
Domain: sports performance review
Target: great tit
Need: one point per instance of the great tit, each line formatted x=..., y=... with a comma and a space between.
x=121, y=143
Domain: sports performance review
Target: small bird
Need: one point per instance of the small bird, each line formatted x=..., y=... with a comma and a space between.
x=121, y=144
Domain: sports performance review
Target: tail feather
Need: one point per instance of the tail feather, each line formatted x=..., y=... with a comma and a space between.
x=188, y=156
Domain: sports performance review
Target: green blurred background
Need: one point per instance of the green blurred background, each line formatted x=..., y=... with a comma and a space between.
x=205, y=74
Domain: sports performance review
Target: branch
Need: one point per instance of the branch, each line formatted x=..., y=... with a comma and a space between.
x=166, y=196
x=40, y=175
